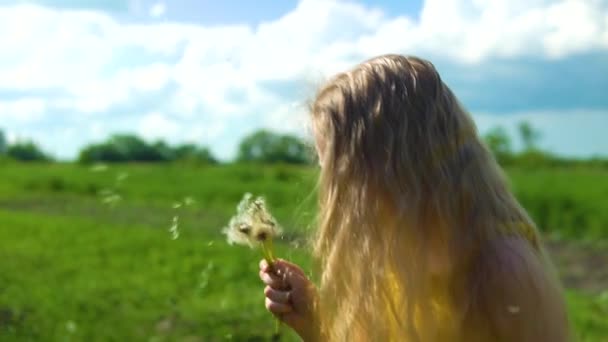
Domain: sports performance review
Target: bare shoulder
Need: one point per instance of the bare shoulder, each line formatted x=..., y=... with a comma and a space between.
x=515, y=294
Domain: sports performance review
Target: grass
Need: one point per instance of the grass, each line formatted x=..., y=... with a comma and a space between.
x=115, y=283
x=76, y=270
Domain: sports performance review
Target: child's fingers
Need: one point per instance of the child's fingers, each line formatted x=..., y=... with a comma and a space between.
x=277, y=308
x=283, y=266
x=277, y=296
x=274, y=281
x=280, y=266
x=264, y=265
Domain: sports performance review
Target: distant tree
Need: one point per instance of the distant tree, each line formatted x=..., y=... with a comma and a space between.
x=26, y=151
x=135, y=148
x=163, y=150
x=499, y=143
x=101, y=152
x=126, y=148
x=121, y=148
x=2, y=143
x=268, y=147
x=529, y=136
x=194, y=153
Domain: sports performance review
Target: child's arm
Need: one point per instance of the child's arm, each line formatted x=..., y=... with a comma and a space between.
x=515, y=297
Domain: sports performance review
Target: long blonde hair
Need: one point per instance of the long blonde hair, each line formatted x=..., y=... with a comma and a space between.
x=404, y=174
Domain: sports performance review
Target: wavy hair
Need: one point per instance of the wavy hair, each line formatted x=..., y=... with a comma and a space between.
x=410, y=198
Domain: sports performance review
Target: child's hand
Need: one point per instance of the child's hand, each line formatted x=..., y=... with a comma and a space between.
x=290, y=296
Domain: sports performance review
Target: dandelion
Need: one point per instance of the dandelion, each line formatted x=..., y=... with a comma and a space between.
x=253, y=226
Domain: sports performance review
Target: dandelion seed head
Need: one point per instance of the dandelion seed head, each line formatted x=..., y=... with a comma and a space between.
x=243, y=204
x=244, y=228
x=253, y=223
x=261, y=236
x=239, y=231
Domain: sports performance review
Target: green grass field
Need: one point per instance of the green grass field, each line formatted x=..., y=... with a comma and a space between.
x=76, y=269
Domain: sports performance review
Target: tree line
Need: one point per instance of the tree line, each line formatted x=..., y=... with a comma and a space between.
x=264, y=146
x=25, y=150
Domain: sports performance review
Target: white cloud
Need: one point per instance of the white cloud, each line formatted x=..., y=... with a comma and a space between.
x=24, y=110
x=158, y=126
x=218, y=74
x=290, y=118
x=157, y=10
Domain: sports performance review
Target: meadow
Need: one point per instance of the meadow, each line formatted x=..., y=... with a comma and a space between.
x=87, y=254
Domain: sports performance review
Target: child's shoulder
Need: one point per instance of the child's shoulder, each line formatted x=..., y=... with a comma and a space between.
x=508, y=254
x=517, y=292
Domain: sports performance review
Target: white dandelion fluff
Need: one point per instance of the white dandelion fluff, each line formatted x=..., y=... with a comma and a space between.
x=253, y=224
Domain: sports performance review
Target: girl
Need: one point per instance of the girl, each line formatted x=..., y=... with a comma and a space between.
x=419, y=237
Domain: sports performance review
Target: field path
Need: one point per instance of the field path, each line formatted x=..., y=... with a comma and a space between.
x=582, y=267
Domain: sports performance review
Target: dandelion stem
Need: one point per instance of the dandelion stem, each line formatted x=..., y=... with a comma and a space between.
x=267, y=255
x=267, y=251
x=277, y=327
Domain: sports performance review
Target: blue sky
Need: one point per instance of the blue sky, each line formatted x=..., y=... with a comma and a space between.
x=209, y=72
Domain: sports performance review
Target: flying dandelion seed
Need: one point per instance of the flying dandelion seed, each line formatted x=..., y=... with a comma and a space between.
x=110, y=198
x=204, y=277
x=188, y=201
x=71, y=326
x=105, y=192
x=121, y=177
x=99, y=167
x=174, y=229
x=513, y=309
